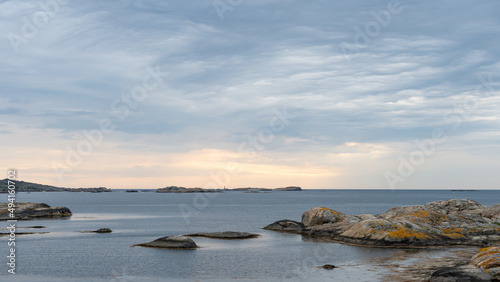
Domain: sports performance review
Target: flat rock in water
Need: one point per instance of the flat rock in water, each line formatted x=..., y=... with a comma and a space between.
x=286, y=226
x=171, y=242
x=328, y=266
x=100, y=230
x=28, y=210
x=231, y=235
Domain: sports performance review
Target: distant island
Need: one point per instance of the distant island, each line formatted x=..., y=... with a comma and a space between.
x=177, y=189
x=289, y=188
x=23, y=186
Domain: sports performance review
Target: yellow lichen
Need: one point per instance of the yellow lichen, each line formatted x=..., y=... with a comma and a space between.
x=330, y=210
x=403, y=232
x=492, y=262
x=487, y=251
x=452, y=230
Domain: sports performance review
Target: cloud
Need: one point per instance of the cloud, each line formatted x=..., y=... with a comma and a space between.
x=225, y=79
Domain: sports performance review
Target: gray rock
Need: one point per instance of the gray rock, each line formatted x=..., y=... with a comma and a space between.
x=487, y=258
x=328, y=266
x=318, y=216
x=462, y=273
x=286, y=226
x=171, y=242
x=103, y=230
x=230, y=235
x=100, y=230
x=492, y=213
x=29, y=210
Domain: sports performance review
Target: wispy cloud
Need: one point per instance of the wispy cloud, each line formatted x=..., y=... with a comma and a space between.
x=349, y=119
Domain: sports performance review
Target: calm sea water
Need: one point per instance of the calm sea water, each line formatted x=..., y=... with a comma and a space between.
x=64, y=254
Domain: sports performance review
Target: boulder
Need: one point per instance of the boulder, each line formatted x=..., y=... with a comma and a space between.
x=171, y=242
x=286, y=226
x=29, y=210
x=229, y=235
x=462, y=273
x=318, y=216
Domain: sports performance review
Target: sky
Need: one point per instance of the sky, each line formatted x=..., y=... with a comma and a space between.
x=251, y=93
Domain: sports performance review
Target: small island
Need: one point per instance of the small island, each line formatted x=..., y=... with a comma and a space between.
x=251, y=189
x=23, y=186
x=177, y=189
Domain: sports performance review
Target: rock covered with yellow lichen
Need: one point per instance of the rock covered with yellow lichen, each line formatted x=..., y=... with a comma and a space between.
x=488, y=259
x=451, y=222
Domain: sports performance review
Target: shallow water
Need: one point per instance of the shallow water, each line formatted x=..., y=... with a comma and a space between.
x=67, y=255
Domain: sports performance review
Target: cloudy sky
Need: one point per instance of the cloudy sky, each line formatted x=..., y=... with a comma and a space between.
x=261, y=93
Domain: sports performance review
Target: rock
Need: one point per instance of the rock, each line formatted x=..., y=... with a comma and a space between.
x=100, y=230
x=487, y=258
x=21, y=233
x=131, y=191
x=438, y=223
x=29, y=210
x=328, y=266
x=103, y=230
x=231, y=235
x=461, y=273
x=286, y=226
x=318, y=216
x=171, y=242
x=492, y=213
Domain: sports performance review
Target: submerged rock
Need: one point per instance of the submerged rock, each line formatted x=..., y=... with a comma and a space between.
x=29, y=210
x=231, y=235
x=451, y=222
x=171, y=242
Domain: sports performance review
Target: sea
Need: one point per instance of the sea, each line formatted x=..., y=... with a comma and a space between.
x=66, y=254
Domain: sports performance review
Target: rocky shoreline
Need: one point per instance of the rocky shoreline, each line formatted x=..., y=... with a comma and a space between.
x=438, y=223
